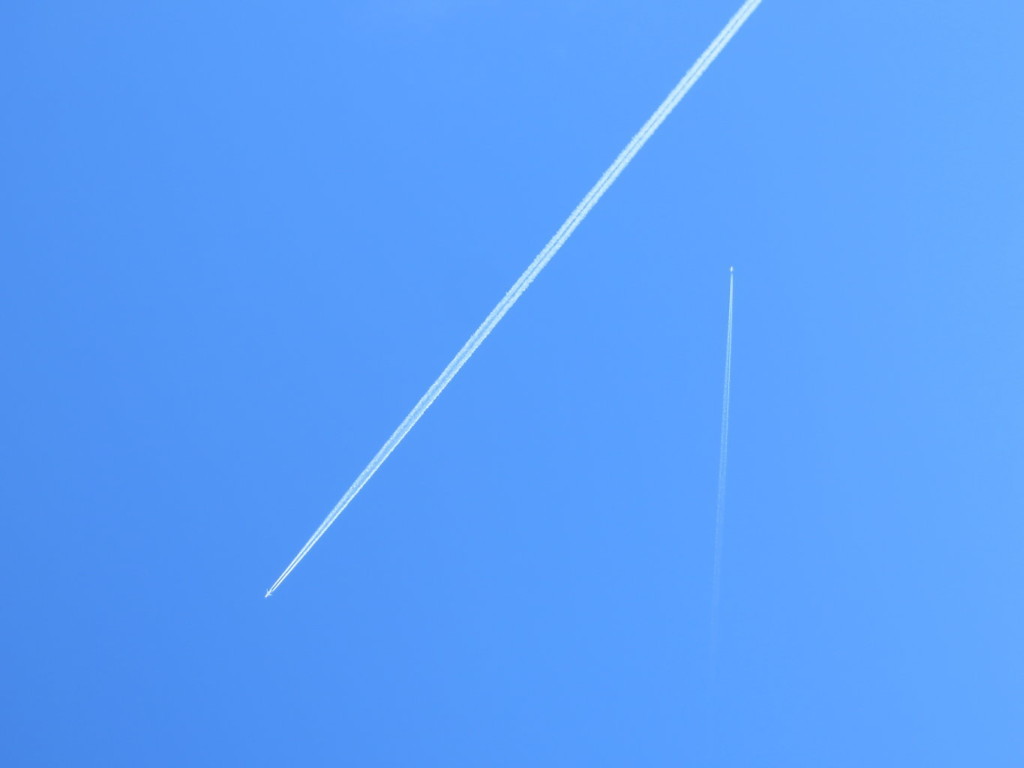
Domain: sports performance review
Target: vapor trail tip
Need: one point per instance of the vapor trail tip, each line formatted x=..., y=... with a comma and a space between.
x=269, y=593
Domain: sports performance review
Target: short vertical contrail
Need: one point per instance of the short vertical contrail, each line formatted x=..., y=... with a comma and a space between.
x=520, y=286
x=723, y=460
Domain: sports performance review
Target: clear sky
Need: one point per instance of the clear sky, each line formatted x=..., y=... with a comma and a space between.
x=239, y=241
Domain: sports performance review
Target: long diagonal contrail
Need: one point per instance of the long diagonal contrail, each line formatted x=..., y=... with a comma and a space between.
x=723, y=459
x=520, y=286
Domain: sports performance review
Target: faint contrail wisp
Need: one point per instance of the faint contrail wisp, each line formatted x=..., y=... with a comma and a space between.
x=520, y=286
x=723, y=460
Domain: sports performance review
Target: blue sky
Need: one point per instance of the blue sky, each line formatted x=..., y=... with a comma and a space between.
x=239, y=242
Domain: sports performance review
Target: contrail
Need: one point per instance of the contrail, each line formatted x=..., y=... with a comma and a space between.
x=723, y=459
x=520, y=286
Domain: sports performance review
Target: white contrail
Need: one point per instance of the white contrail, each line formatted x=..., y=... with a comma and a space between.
x=520, y=286
x=723, y=459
